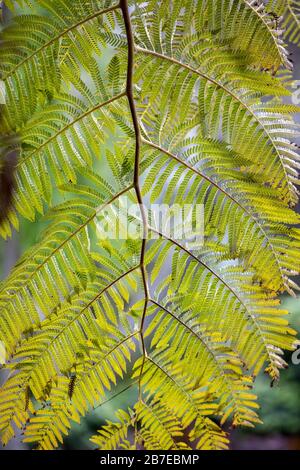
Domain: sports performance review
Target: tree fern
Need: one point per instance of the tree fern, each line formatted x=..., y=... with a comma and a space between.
x=143, y=102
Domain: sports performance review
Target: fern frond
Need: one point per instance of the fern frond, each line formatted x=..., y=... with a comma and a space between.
x=110, y=105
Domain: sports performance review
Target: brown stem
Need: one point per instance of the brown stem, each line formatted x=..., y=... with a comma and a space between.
x=135, y=121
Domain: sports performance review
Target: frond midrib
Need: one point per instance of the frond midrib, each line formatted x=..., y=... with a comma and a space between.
x=229, y=92
x=211, y=352
x=208, y=179
x=73, y=234
x=261, y=17
x=69, y=125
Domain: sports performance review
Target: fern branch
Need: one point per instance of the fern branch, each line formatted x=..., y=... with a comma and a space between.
x=56, y=249
x=293, y=14
x=69, y=125
x=226, y=193
x=59, y=36
x=229, y=383
x=220, y=85
x=248, y=312
x=94, y=300
x=254, y=5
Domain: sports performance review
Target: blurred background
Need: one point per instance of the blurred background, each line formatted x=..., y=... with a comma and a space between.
x=280, y=405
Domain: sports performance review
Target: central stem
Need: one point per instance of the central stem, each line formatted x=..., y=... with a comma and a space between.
x=136, y=181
